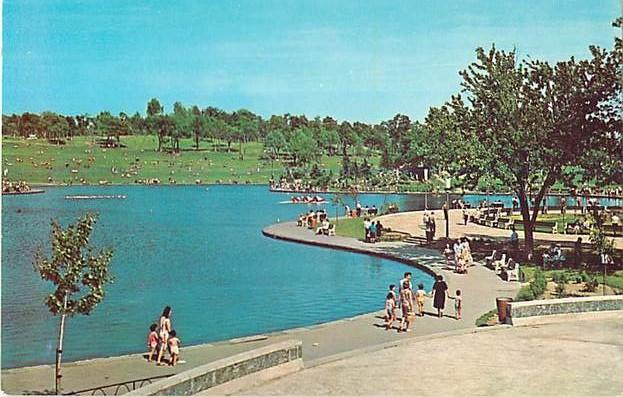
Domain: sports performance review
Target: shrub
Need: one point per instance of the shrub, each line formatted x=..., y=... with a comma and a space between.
x=483, y=320
x=561, y=289
x=522, y=276
x=584, y=276
x=591, y=286
x=525, y=294
x=538, y=284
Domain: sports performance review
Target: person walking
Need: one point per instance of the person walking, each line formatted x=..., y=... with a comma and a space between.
x=440, y=293
x=164, y=328
x=408, y=315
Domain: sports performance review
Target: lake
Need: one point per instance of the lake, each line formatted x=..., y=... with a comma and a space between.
x=197, y=249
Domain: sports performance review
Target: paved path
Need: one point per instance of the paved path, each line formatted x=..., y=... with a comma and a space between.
x=412, y=223
x=573, y=358
x=480, y=288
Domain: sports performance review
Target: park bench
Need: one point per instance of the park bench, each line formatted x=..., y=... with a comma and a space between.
x=611, y=230
x=510, y=222
x=545, y=226
x=492, y=220
x=512, y=271
x=502, y=221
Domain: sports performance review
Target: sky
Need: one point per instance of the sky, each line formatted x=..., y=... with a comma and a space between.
x=353, y=60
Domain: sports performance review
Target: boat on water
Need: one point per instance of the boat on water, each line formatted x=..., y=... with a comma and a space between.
x=96, y=197
x=15, y=193
x=305, y=200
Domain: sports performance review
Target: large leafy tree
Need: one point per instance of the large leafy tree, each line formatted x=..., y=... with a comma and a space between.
x=156, y=122
x=78, y=273
x=302, y=146
x=526, y=122
x=246, y=127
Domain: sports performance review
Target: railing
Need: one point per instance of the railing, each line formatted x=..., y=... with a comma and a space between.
x=124, y=387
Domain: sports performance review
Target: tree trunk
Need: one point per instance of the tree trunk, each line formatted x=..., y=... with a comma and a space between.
x=197, y=142
x=527, y=223
x=241, y=152
x=59, y=349
x=159, y=143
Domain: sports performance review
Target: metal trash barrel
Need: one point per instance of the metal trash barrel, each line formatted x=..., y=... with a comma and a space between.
x=503, y=308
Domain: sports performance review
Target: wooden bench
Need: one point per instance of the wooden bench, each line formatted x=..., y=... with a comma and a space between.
x=546, y=226
x=492, y=220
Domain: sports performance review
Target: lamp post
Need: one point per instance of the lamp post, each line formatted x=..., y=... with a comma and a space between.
x=447, y=209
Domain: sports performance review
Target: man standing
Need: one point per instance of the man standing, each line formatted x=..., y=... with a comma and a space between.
x=578, y=251
x=514, y=239
x=433, y=226
x=616, y=223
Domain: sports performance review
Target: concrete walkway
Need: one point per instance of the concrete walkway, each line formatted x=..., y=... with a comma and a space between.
x=572, y=358
x=480, y=288
x=412, y=223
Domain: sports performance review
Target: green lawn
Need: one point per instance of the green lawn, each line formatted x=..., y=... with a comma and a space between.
x=550, y=217
x=81, y=159
x=351, y=227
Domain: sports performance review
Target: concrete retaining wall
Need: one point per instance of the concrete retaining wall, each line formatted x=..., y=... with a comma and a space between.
x=522, y=311
x=287, y=355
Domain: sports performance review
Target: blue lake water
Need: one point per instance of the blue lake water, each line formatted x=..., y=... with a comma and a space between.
x=199, y=250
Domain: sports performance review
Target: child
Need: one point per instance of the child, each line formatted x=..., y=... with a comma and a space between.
x=390, y=314
x=458, y=304
x=406, y=299
x=152, y=341
x=174, y=347
x=420, y=295
x=392, y=291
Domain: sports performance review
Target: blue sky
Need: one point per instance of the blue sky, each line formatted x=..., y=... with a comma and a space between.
x=354, y=60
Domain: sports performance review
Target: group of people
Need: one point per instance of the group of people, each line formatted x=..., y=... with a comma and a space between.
x=372, y=230
x=408, y=301
x=307, y=199
x=460, y=255
x=15, y=187
x=429, y=226
x=312, y=218
x=360, y=210
x=162, y=337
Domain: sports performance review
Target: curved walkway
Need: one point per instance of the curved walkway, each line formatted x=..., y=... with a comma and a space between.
x=573, y=358
x=320, y=343
x=411, y=222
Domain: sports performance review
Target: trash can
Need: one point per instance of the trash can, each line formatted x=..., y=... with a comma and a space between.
x=503, y=309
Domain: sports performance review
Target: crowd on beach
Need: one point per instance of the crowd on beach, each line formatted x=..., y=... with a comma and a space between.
x=162, y=338
x=411, y=303
x=15, y=187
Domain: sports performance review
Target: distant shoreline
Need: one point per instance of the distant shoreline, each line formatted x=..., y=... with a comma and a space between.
x=464, y=193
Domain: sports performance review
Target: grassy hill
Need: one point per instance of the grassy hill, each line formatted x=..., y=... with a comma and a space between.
x=82, y=160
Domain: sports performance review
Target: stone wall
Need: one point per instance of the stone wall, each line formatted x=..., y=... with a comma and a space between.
x=232, y=368
x=519, y=310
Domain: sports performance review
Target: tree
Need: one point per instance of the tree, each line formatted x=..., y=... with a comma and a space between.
x=302, y=146
x=526, y=122
x=73, y=268
x=154, y=108
x=155, y=122
x=181, y=125
x=199, y=125
x=246, y=126
x=55, y=126
x=275, y=142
